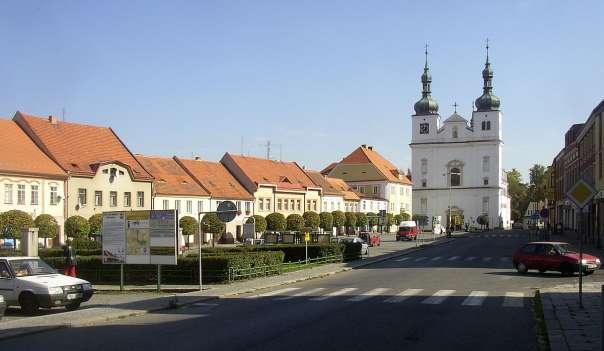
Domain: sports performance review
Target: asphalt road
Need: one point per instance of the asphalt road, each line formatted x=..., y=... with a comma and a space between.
x=458, y=296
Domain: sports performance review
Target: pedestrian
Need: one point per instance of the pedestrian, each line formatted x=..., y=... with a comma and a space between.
x=466, y=226
x=69, y=254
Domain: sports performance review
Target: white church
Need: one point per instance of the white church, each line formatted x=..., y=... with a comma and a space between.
x=456, y=163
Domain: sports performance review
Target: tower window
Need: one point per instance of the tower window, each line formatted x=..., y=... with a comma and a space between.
x=488, y=125
x=455, y=177
x=424, y=183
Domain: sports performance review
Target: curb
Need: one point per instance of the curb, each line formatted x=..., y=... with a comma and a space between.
x=173, y=303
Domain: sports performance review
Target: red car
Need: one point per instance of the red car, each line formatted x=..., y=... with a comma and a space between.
x=553, y=256
x=371, y=240
x=407, y=230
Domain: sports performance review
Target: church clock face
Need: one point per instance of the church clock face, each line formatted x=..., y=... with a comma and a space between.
x=424, y=128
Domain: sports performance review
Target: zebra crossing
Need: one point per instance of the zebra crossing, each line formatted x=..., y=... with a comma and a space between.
x=471, y=259
x=391, y=296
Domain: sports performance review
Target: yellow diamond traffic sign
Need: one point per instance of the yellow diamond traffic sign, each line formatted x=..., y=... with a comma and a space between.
x=581, y=193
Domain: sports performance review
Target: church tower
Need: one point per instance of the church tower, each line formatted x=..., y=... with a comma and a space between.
x=426, y=120
x=487, y=117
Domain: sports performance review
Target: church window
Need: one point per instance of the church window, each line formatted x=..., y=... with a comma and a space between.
x=455, y=176
x=483, y=125
x=485, y=204
x=485, y=163
x=488, y=125
x=485, y=181
x=424, y=183
x=455, y=132
x=424, y=128
x=424, y=166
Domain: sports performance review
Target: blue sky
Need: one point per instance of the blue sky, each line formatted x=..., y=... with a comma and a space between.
x=318, y=77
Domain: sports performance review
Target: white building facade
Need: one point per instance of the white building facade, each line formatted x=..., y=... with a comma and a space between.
x=456, y=163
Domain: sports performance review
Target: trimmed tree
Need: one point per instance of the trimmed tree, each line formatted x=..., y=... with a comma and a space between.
x=326, y=221
x=351, y=220
x=405, y=216
x=189, y=226
x=398, y=219
x=339, y=219
x=77, y=227
x=295, y=222
x=276, y=222
x=96, y=224
x=372, y=219
x=47, y=227
x=361, y=219
x=211, y=224
x=260, y=223
x=311, y=219
x=12, y=222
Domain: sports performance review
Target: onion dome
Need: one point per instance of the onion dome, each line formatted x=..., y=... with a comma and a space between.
x=487, y=101
x=426, y=105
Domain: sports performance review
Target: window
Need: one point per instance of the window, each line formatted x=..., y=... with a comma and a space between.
x=286, y=204
x=402, y=191
x=362, y=189
x=189, y=206
x=364, y=206
x=8, y=193
x=485, y=163
x=127, y=199
x=291, y=202
x=268, y=204
x=485, y=204
x=424, y=183
x=314, y=204
x=21, y=194
x=332, y=206
x=485, y=181
x=54, y=195
x=82, y=197
x=140, y=198
x=239, y=206
x=424, y=128
x=98, y=198
x=247, y=207
x=177, y=205
x=299, y=205
x=279, y=205
x=376, y=190
x=488, y=125
x=307, y=205
x=424, y=166
x=455, y=177
x=166, y=204
x=455, y=132
x=200, y=206
x=34, y=195
x=339, y=206
x=113, y=198
x=423, y=204
x=261, y=204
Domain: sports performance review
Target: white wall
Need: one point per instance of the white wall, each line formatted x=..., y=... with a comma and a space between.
x=330, y=203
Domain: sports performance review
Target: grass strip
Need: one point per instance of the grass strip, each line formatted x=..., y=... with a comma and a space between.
x=540, y=325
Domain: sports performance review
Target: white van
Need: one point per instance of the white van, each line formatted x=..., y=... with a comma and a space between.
x=31, y=283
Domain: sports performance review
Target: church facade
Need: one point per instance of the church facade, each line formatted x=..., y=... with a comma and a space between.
x=457, y=164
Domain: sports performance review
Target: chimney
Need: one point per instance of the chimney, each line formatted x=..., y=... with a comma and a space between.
x=364, y=146
x=52, y=119
x=370, y=147
x=197, y=158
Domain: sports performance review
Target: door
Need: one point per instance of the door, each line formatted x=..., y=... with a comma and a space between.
x=540, y=258
x=7, y=283
x=551, y=259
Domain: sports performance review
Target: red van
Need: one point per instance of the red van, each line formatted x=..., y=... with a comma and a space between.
x=407, y=230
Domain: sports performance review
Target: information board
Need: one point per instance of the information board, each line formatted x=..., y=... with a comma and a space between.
x=140, y=237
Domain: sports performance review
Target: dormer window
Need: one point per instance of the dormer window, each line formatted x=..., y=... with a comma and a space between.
x=113, y=172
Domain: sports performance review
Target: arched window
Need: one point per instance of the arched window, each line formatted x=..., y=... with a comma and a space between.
x=455, y=132
x=455, y=176
x=455, y=173
x=488, y=125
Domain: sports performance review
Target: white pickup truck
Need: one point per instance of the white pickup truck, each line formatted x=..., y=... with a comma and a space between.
x=31, y=283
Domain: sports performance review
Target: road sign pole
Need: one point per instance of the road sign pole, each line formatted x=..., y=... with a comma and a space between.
x=582, y=227
x=306, y=249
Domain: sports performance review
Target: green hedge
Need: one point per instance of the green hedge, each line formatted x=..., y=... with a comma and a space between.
x=215, y=268
x=292, y=252
x=58, y=252
x=352, y=251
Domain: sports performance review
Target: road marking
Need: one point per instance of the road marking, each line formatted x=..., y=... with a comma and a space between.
x=504, y=258
x=487, y=259
x=471, y=258
x=403, y=295
x=333, y=294
x=403, y=259
x=436, y=258
x=273, y=293
x=368, y=294
x=476, y=298
x=420, y=259
x=300, y=294
x=513, y=299
x=438, y=297
x=453, y=258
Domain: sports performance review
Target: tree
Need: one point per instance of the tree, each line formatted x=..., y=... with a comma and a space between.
x=96, y=224
x=295, y=222
x=326, y=221
x=351, y=220
x=389, y=220
x=405, y=216
x=276, y=222
x=189, y=226
x=421, y=220
x=13, y=222
x=361, y=219
x=339, y=219
x=77, y=227
x=210, y=223
x=398, y=218
x=260, y=223
x=47, y=227
x=518, y=192
x=537, y=183
x=372, y=219
x=311, y=219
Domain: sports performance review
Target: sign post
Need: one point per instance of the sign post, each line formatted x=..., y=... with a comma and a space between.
x=581, y=194
x=306, y=240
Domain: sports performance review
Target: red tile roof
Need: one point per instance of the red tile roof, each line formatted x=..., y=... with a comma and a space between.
x=20, y=155
x=347, y=192
x=78, y=148
x=170, y=178
x=214, y=177
x=365, y=154
x=283, y=175
x=324, y=183
x=329, y=168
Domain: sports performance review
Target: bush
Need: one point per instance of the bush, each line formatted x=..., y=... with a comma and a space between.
x=189, y=225
x=276, y=222
x=76, y=227
x=292, y=252
x=351, y=220
x=295, y=222
x=361, y=219
x=260, y=223
x=13, y=222
x=326, y=221
x=96, y=224
x=311, y=219
x=339, y=219
x=47, y=226
x=58, y=252
x=211, y=224
x=86, y=244
x=351, y=251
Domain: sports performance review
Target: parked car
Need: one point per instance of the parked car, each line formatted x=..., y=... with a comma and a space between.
x=31, y=283
x=350, y=239
x=371, y=240
x=252, y=241
x=407, y=230
x=553, y=256
x=2, y=307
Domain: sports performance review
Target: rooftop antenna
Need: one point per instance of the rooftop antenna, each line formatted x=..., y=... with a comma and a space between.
x=268, y=149
x=63, y=114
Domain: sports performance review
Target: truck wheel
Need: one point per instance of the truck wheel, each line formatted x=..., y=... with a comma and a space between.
x=73, y=306
x=29, y=304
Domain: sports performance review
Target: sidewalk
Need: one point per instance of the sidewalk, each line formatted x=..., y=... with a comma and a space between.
x=569, y=327
x=108, y=306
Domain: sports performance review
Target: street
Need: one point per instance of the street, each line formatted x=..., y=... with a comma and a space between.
x=456, y=296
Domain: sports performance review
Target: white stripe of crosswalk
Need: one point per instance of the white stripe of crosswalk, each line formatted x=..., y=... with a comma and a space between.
x=369, y=294
x=513, y=299
x=453, y=258
x=403, y=259
x=436, y=258
x=476, y=298
x=438, y=297
x=403, y=295
x=273, y=293
x=300, y=294
x=333, y=294
x=487, y=259
x=471, y=258
x=420, y=259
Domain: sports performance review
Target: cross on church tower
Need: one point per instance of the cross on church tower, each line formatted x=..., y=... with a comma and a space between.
x=455, y=106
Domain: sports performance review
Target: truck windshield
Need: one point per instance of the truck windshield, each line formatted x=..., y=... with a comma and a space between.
x=30, y=266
